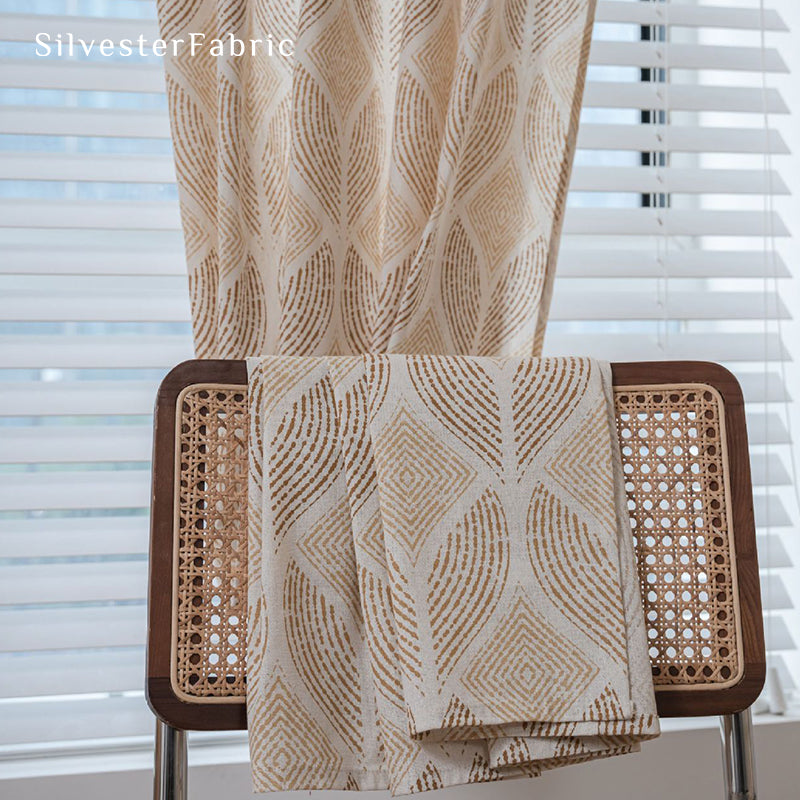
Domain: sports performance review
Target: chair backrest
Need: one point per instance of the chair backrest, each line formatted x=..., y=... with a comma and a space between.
x=684, y=451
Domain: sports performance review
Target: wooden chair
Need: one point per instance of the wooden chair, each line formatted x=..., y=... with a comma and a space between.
x=684, y=449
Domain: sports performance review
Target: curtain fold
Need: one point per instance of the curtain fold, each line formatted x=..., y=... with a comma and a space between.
x=397, y=185
x=442, y=585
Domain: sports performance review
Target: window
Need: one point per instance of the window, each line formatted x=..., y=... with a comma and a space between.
x=672, y=245
x=94, y=311
x=669, y=251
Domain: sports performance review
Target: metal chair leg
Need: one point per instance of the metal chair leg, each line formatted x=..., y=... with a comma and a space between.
x=738, y=757
x=171, y=765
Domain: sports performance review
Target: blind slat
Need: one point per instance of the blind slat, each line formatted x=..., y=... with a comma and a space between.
x=127, y=307
x=689, y=15
x=78, y=398
x=661, y=222
x=72, y=583
x=776, y=634
x=724, y=347
x=94, y=122
x=764, y=387
x=88, y=536
x=683, y=97
x=768, y=469
x=43, y=260
x=574, y=262
x=90, y=215
x=627, y=305
x=71, y=629
x=25, y=27
x=87, y=167
x=51, y=73
x=40, y=674
x=65, y=491
x=686, y=56
x=770, y=512
x=79, y=443
x=75, y=718
x=767, y=428
x=772, y=553
x=675, y=180
x=679, y=138
x=108, y=352
x=774, y=594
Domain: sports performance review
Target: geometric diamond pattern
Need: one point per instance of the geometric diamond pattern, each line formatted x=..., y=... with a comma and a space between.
x=527, y=660
x=584, y=461
x=420, y=481
x=500, y=214
x=340, y=57
x=293, y=744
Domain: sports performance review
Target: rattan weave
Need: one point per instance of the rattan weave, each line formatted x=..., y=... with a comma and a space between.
x=673, y=450
x=210, y=611
x=673, y=456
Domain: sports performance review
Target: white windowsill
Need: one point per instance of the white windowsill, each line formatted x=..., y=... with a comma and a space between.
x=139, y=756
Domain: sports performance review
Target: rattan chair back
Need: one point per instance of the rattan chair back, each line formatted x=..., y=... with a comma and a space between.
x=683, y=443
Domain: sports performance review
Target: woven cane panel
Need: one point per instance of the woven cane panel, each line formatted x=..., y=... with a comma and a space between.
x=211, y=563
x=673, y=453
x=673, y=456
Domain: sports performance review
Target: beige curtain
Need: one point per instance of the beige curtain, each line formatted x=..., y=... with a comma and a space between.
x=398, y=185
x=442, y=582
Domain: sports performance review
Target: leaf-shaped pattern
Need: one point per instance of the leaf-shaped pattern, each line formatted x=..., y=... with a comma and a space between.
x=566, y=558
x=545, y=395
x=514, y=303
x=322, y=651
x=460, y=287
x=316, y=152
x=358, y=302
x=303, y=457
x=308, y=304
x=462, y=396
x=468, y=577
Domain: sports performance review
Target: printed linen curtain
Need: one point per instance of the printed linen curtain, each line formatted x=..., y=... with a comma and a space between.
x=398, y=185
x=442, y=583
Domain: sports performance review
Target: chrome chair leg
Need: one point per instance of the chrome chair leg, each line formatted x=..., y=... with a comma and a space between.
x=171, y=765
x=738, y=756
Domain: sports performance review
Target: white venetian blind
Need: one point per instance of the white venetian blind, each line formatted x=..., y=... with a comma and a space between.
x=671, y=244
x=667, y=254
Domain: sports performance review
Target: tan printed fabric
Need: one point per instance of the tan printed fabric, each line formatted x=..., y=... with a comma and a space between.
x=397, y=185
x=442, y=580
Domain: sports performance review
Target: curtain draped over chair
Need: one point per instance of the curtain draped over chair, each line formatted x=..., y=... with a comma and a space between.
x=397, y=185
